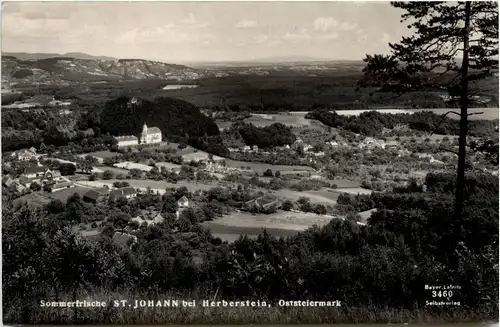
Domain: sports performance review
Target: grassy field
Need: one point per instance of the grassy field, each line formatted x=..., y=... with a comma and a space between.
x=63, y=195
x=259, y=167
x=353, y=190
x=168, y=165
x=318, y=197
x=34, y=199
x=342, y=183
x=281, y=223
x=114, y=170
x=291, y=120
x=104, y=154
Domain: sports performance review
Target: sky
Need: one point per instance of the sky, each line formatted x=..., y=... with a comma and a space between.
x=202, y=31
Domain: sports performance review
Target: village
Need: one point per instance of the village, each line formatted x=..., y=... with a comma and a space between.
x=283, y=198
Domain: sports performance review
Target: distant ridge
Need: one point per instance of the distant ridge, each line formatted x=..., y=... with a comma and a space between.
x=76, y=66
x=289, y=59
x=39, y=56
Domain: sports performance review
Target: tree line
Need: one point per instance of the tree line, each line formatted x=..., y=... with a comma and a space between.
x=404, y=246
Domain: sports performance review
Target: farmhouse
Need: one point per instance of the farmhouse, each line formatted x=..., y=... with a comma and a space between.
x=35, y=171
x=96, y=195
x=25, y=155
x=126, y=192
x=60, y=186
x=127, y=140
x=8, y=181
x=150, y=135
x=50, y=176
x=25, y=181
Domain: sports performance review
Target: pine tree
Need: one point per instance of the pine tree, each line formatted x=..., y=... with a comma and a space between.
x=454, y=48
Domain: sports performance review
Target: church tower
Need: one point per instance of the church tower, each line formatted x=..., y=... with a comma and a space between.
x=144, y=133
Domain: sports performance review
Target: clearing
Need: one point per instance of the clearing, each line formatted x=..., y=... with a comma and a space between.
x=282, y=223
x=63, y=195
x=260, y=167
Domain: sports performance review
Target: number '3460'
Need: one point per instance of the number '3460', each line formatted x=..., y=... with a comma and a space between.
x=442, y=294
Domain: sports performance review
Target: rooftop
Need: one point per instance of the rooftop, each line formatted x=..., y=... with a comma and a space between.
x=153, y=130
x=62, y=184
x=123, y=191
x=126, y=138
x=35, y=169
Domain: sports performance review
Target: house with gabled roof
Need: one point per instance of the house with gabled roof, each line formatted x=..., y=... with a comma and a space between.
x=126, y=192
x=25, y=154
x=127, y=140
x=96, y=195
x=61, y=186
x=25, y=181
x=7, y=181
x=35, y=171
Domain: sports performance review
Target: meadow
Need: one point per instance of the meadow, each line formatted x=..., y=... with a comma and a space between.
x=63, y=195
x=260, y=168
x=280, y=224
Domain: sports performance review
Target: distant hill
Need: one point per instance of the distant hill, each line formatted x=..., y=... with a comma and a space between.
x=38, y=56
x=173, y=117
x=289, y=59
x=54, y=68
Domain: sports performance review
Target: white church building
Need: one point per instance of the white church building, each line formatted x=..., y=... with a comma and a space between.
x=127, y=140
x=150, y=135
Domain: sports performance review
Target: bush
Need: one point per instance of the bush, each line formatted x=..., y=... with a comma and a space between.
x=268, y=173
x=287, y=205
x=107, y=175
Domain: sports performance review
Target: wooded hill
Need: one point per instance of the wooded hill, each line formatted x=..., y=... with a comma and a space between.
x=175, y=118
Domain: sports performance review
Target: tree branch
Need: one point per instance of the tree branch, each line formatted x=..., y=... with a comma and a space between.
x=442, y=119
x=448, y=150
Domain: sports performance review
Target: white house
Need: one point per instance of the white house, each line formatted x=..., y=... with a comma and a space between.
x=126, y=192
x=150, y=135
x=61, y=186
x=127, y=140
x=25, y=155
x=35, y=171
